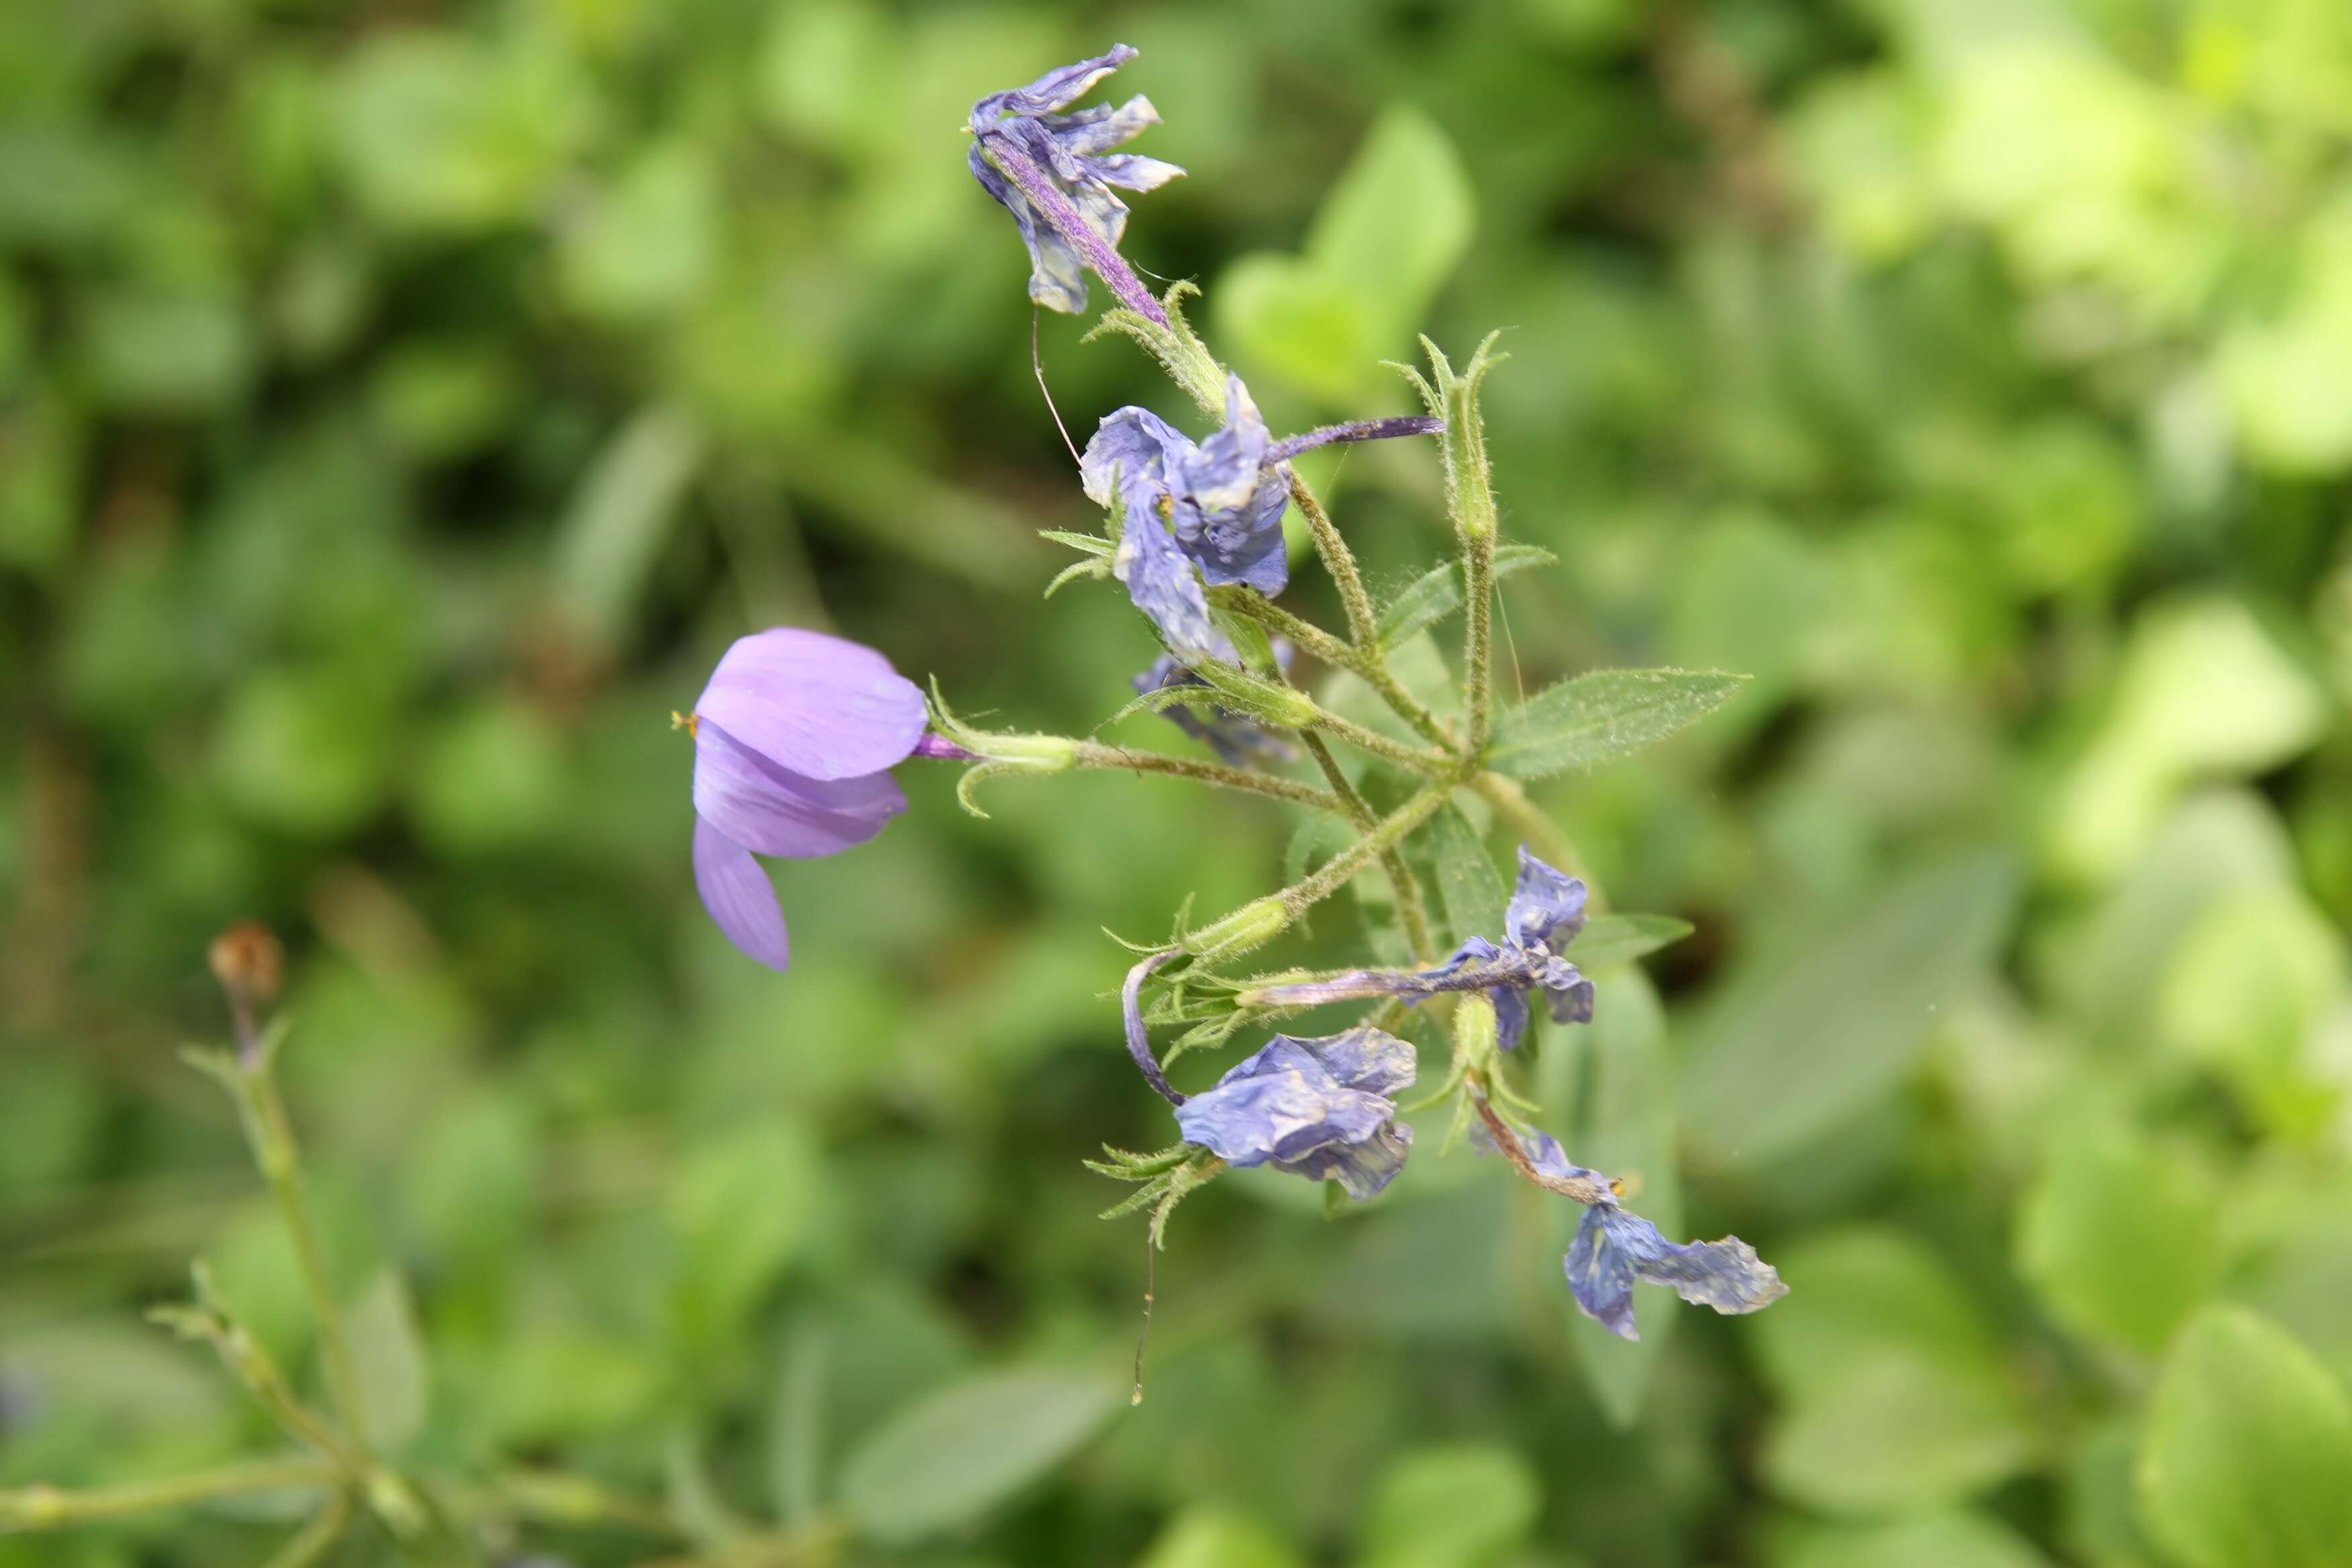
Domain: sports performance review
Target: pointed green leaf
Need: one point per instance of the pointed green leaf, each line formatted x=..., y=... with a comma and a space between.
x=1608, y=939
x=1605, y=714
x=1792, y=1047
x=394, y=1382
x=1437, y=592
x=2246, y=1462
x=1468, y=888
x=952, y=1457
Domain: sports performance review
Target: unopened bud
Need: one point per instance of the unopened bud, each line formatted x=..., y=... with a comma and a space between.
x=1252, y=925
x=249, y=963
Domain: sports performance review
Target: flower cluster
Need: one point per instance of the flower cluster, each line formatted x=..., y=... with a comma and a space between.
x=796, y=732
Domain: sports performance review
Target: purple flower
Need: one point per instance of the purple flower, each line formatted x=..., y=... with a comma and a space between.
x=1613, y=1248
x=1216, y=505
x=1320, y=1109
x=1055, y=172
x=792, y=738
x=1546, y=910
x=1239, y=741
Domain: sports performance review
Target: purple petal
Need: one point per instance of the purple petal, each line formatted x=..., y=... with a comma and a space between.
x=1131, y=446
x=1285, y=1103
x=773, y=811
x=1364, y=1059
x=1548, y=902
x=1360, y=1169
x=1160, y=580
x=1057, y=88
x=821, y=706
x=1510, y=1016
x=740, y=898
x=1613, y=1248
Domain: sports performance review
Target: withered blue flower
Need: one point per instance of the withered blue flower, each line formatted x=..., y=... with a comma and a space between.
x=1238, y=740
x=1613, y=1247
x=1546, y=910
x=1056, y=173
x=1322, y=1109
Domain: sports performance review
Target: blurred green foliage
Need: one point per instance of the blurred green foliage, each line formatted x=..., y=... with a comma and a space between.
x=400, y=405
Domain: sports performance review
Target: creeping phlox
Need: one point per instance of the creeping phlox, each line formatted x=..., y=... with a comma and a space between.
x=796, y=732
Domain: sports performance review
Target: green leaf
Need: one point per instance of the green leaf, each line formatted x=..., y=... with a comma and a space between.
x=2247, y=1458
x=741, y=1206
x=1457, y=1506
x=1792, y=1048
x=948, y=1460
x=1208, y=1536
x=1437, y=592
x=395, y=1384
x=1624, y=1124
x=2121, y=1241
x=2244, y=992
x=1608, y=939
x=1398, y=222
x=620, y=519
x=1602, y=715
x=1961, y=1539
x=1895, y=1396
x=1468, y=889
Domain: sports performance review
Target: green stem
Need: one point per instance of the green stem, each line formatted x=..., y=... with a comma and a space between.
x=1430, y=764
x=1477, y=639
x=1370, y=663
x=319, y=1537
x=1387, y=835
x=274, y=1148
x=1340, y=562
x=570, y=1501
x=52, y=1508
x=1411, y=909
x=1092, y=754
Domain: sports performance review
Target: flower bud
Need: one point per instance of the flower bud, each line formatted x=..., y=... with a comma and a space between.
x=249, y=963
x=1252, y=925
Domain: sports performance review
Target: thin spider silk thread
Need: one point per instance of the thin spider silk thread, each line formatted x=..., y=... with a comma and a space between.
x=1038, y=365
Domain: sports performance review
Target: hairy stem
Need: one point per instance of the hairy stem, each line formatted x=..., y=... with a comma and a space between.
x=53, y=1508
x=1092, y=754
x=1413, y=908
x=1477, y=639
x=1429, y=764
x=1101, y=258
x=1340, y=562
x=1386, y=833
x=271, y=1131
x=1582, y=1190
x=1366, y=662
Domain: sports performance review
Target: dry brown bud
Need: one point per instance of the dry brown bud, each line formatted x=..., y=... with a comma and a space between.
x=248, y=962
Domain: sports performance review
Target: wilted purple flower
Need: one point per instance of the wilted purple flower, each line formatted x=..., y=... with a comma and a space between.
x=792, y=738
x=1055, y=172
x=1216, y=505
x=1547, y=909
x=1238, y=740
x=1613, y=1247
x=1321, y=1108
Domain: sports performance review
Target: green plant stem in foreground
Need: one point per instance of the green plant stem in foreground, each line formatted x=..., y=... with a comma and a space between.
x=54, y=1508
x=1368, y=663
x=274, y=1149
x=1093, y=754
x=1413, y=908
x=1363, y=625
x=1477, y=649
x=1391, y=831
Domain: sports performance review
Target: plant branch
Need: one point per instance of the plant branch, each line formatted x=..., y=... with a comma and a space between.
x=1477, y=639
x=1412, y=906
x=55, y=1507
x=1582, y=1190
x=1365, y=662
x=1093, y=754
x=1340, y=562
x=1389, y=832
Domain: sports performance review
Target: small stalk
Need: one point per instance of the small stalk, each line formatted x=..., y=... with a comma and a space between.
x=55, y=1507
x=1412, y=906
x=1477, y=639
x=1340, y=562
x=1391, y=831
x=1368, y=663
x=1091, y=754
x=1583, y=1191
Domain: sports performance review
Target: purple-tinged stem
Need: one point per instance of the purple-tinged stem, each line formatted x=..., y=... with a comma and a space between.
x=941, y=747
x=1354, y=430
x=1139, y=1043
x=1070, y=223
